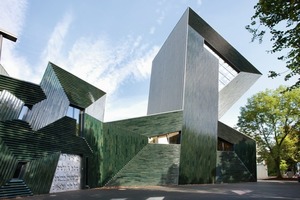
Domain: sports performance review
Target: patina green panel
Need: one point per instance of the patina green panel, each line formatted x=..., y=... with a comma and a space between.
x=230, y=168
x=244, y=147
x=28, y=92
x=79, y=92
x=93, y=131
x=198, y=158
x=246, y=151
x=153, y=125
x=120, y=146
x=40, y=149
x=40, y=172
x=27, y=145
x=7, y=163
x=113, y=147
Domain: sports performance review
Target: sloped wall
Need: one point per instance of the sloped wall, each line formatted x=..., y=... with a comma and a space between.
x=244, y=147
x=231, y=169
x=155, y=164
x=8, y=163
x=112, y=146
x=39, y=173
x=51, y=109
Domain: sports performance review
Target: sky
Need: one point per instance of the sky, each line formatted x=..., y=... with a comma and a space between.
x=111, y=44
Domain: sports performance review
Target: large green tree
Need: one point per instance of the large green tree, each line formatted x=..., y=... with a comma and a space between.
x=272, y=117
x=281, y=18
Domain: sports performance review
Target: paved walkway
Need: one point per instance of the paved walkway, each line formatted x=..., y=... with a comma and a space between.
x=260, y=190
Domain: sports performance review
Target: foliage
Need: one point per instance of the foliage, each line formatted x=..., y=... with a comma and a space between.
x=291, y=149
x=282, y=19
x=272, y=118
x=283, y=165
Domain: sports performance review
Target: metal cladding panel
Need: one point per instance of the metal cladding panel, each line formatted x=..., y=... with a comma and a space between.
x=200, y=114
x=40, y=172
x=244, y=147
x=234, y=90
x=51, y=109
x=8, y=163
x=27, y=145
x=97, y=109
x=29, y=93
x=3, y=71
x=152, y=125
x=167, y=76
x=10, y=106
x=80, y=93
x=220, y=45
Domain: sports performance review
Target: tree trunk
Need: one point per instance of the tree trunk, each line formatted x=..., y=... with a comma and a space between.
x=277, y=167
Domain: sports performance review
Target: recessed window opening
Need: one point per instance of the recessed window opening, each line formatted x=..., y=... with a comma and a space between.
x=78, y=115
x=73, y=113
x=223, y=145
x=226, y=72
x=23, y=112
x=20, y=170
x=169, y=138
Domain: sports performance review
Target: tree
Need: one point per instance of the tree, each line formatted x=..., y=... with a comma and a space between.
x=282, y=19
x=270, y=117
x=291, y=150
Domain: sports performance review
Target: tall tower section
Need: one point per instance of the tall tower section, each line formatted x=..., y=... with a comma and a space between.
x=199, y=73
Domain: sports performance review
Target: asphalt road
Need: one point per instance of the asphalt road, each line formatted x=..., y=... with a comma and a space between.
x=260, y=190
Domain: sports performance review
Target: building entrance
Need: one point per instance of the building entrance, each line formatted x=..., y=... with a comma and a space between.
x=68, y=174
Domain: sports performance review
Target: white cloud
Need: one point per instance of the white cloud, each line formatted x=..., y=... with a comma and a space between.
x=12, y=15
x=152, y=30
x=132, y=109
x=53, y=50
x=161, y=17
x=104, y=63
x=199, y=2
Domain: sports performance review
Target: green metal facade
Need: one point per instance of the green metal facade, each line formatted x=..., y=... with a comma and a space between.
x=119, y=153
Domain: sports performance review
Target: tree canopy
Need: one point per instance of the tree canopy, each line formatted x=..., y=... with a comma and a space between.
x=282, y=20
x=272, y=118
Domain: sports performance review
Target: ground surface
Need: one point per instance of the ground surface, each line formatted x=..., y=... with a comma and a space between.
x=267, y=189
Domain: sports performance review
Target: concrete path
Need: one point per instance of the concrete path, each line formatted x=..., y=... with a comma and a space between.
x=261, y=190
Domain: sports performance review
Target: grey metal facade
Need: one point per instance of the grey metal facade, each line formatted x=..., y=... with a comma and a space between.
x=167, y=75
x=185, y=76
x=51, y=109
x=10, y=106
x=3, y=71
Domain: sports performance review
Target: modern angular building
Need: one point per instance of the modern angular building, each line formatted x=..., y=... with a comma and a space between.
x=53, y=138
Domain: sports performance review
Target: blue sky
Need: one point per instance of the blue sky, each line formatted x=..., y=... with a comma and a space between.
x=111, y=44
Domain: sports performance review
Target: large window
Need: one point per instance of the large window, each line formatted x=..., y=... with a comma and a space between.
x=23, y=112
x=78, y=115
x=20, y=170
x=226, y=72
x=223, y=145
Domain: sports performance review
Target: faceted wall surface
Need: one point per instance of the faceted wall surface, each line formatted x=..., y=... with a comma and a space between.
x=185, y=76
x=168, y=70
x=245, y=150
x=200, y=113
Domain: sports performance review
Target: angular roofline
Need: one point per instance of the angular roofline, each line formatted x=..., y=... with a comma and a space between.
x=219, y=45
x=80, y=93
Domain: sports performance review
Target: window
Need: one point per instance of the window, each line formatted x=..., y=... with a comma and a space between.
x=78, y=115
x=20, y=170
x=23, y=112
x=226, y=72
x=224, y=145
